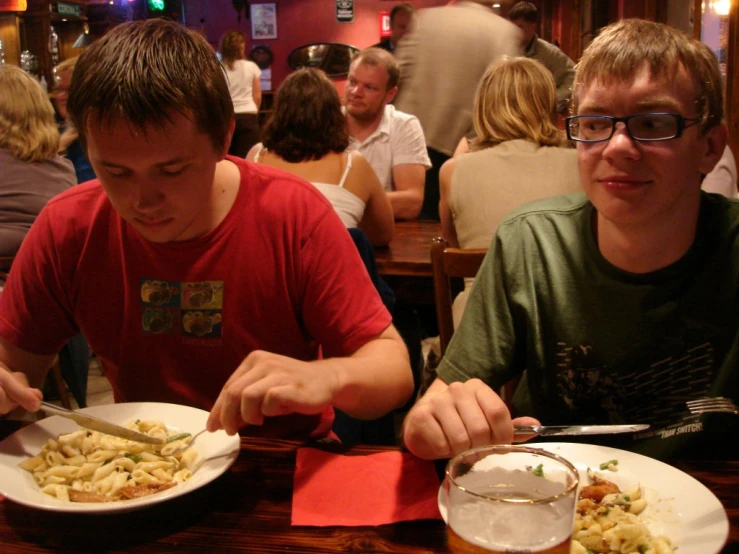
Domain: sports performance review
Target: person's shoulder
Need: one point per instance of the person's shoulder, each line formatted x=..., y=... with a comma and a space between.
x=76, y=210
x=274, y=186
x=251, y=66
x=546, y=48
x=399, y=119
x=384, y=44
x=720, y=204
x=563, y=207
x=564, y=152
x=84, y=194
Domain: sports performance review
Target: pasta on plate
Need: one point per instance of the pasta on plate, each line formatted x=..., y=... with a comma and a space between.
x=607, y=522
x=88, y=466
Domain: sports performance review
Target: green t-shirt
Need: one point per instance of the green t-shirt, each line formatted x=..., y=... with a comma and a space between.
x=601, y=345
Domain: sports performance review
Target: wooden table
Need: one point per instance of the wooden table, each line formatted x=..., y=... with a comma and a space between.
x=409, y=253
x=248, y=510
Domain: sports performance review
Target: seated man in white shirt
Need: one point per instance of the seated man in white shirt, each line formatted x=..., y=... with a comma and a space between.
x=392, y=141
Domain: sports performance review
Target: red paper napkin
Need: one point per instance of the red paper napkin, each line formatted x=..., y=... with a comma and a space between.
x=331, y=489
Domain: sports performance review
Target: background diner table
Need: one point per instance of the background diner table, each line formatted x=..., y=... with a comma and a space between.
x=248, y=510
x=409, y=253
x=405, y=264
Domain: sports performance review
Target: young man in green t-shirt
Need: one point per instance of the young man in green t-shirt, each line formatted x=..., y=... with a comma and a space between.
x=621, y=303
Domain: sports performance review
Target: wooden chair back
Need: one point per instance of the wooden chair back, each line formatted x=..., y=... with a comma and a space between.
x=446, y=264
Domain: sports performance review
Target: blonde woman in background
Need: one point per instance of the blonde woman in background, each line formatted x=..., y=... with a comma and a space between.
x=32, y=170
x=307, y=136
x=246, y=92
x=518, y=156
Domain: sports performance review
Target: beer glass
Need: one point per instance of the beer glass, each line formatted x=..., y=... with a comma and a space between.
x=510, y=499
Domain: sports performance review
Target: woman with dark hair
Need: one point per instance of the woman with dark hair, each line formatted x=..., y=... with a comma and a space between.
x=245, y=89
x=307, y=136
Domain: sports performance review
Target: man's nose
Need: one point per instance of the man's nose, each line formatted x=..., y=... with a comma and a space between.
x=147, y=198
x=621, y=145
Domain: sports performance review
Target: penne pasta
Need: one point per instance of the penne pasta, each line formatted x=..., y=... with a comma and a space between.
x=87, y=466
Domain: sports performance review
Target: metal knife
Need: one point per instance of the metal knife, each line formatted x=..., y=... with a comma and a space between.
x=554, y=430
x=97, y=424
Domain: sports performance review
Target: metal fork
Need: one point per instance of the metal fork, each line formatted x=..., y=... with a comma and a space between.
x=717, y=404
x=188, y=445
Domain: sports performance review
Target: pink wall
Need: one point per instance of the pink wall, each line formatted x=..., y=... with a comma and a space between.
x=299, y=22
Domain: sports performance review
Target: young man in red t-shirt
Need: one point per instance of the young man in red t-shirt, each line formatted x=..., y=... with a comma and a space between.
x=197, y=279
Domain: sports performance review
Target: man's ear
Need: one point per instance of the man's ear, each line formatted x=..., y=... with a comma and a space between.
x=714, y=143
x=229, y=136
x=390, y=95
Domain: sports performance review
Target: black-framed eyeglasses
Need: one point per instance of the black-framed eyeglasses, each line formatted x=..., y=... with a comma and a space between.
x=641, y=127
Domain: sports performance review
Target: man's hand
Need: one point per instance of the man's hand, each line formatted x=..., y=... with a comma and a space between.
x=268, y=385
x=454, y=418
x=14, y=392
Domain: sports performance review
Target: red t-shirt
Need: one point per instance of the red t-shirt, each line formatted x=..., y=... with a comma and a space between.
x=171, y=322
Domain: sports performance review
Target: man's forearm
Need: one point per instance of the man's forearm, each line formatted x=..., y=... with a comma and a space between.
x=375, y=379
x=406, y=204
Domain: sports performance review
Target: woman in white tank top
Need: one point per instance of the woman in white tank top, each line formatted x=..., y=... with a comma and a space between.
x=246, y=92
x=307, y=136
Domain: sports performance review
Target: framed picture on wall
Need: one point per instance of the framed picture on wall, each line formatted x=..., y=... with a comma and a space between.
x=263, y=21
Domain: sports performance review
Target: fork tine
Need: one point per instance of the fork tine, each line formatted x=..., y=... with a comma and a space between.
x=717, y=401
x=712, y=405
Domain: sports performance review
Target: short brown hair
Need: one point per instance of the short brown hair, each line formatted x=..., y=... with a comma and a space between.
x=27, y=126
x=524, y=10
x=516, y=99
x=307, y=122
x=143, y=71
x=377, y=57
x=624, y=48
x=398, y=8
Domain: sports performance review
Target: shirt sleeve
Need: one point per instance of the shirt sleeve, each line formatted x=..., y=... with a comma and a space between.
x=341, y=307
x=35, y=306
x=254, y=70
x=409, y=143
x=485, y=345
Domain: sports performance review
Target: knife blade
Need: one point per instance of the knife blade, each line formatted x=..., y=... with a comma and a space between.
x=563, y=430
x=97, y=424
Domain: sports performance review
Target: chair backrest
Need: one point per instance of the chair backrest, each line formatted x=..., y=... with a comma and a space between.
x=457, y=262
x=448, y=263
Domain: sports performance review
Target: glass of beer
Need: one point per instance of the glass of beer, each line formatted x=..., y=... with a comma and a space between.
x=510, y=499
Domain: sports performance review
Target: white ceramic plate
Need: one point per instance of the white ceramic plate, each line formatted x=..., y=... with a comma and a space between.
x=218, y=451
x=678, y=506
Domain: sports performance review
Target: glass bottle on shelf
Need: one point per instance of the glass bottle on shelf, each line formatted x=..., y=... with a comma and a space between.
x=54, y=46
x=2, y=53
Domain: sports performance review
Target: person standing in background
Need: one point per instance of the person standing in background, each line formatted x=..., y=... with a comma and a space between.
x=69, y=146
x=525, y=16
x=401, y=17
x=245, y=89
x=441, y=62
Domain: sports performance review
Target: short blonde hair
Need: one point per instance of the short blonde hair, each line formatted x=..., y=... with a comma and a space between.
x=516, y=99
x=624, y=48
x=27, y=126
